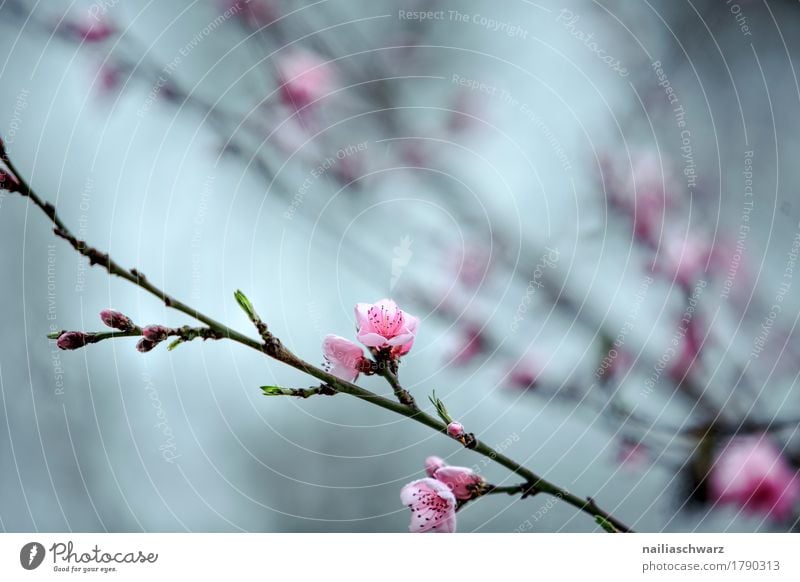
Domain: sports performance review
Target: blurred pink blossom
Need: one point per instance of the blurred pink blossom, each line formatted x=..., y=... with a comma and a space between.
x=683, y=257
x=385, y=325
x=432, y=504
x=343, y=358
x=89, y=29
x=304, y=78
x=751, y=473
x=253, y=13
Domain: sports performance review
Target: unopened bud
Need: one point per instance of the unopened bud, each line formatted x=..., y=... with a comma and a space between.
x=72, y=340
x=455, y=430
x=145, y=345
x=156, y=333
x=117, y=320
x=8, y=182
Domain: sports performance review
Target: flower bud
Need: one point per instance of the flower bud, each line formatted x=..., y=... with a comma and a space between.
x=145, y=345
x=156, y=333
x=455, y=430
x=72, y=340
x=7, y=182
x=117, y=320
x=433, y=464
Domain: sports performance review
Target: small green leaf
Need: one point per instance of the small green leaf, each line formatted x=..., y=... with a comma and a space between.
x=274, y=391
x=245, y=304
x=441, y=410
x=174, y=344
x=605, y=524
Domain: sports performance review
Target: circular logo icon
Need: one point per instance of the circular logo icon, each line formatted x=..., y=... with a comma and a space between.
x=31, y=555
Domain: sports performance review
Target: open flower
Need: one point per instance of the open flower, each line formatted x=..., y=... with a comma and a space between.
x=343, y=358
x=752, y=474
x=433, y=506
x=385, y=325
x=462, y=481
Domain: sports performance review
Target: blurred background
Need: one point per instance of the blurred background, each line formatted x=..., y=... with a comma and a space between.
x=590, y=205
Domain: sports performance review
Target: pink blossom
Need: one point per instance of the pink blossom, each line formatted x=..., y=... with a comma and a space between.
x=385, y=325
x=304, y=78
x=455, y=430
x=433, y=463
x=524, y=375
x=471, y=344
x=683, y=258
x=89, y=29
x=343, y=358
x=117, y=320
x=72, y=340
x=432, y=504
x=462, y=481
x=689, y=352
x=253, y=13
x=751, y=473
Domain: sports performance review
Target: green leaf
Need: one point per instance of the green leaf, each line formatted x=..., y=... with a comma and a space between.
x=174, y=344
x=274, y=391
x=245, y=304
x=605, y=524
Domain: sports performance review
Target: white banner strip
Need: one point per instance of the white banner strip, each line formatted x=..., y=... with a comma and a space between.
x=355, y=557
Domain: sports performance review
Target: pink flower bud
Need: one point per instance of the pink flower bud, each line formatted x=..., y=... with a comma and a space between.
x=115, y=319
x=433, y=464
x=145, y=345
x=455, y=430
x=462, y=481
x=72, y=340
x=156, y=333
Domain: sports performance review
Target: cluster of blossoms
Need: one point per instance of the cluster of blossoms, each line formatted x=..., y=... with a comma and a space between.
x=434, y=500
x=384, y=328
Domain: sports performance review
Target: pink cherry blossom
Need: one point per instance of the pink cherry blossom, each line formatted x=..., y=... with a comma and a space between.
x=433, y=463
x=343, y=358
x=751, y=473
x=683, y=257
x=524, y=375
x=385, y=325
x=688, y=354
x=470, y=344
x=432, y=504
x=461, y=480
x=304, y=77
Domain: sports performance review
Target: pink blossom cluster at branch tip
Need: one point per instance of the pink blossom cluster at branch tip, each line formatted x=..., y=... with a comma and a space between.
x=116, y=320
x=752, y=473
x=304, y=78
x=381, y=326
x=433, y=500
x=72, y=340
x=432, y=504
x=384, y=325
x=343, y=358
